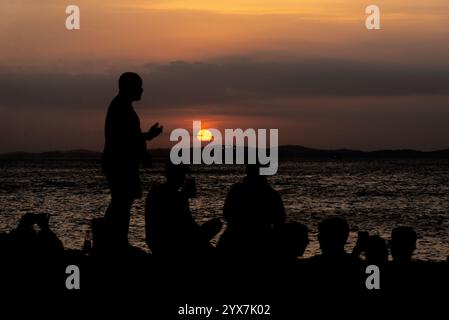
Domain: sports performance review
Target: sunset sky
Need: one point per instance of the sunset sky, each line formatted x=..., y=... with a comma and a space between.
x=309, y=68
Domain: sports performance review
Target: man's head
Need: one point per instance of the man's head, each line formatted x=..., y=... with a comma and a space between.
x=130, y=86
x=253, y=172
x=332, y=234
x=403, y=243
x=293, y=239
x=176, y=174
x=376, y=250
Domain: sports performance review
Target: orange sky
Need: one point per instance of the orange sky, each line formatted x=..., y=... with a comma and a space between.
x=116, y=36
x=133, y=32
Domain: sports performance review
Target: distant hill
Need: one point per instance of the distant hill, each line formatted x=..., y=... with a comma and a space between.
x=292, y=152
x=288, y=152
x=52, y=155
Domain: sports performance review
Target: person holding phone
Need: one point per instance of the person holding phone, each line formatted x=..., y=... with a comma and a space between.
x=27, y=240
x=171, y=231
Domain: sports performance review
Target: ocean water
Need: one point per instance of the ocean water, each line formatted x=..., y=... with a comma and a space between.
x=373, y=195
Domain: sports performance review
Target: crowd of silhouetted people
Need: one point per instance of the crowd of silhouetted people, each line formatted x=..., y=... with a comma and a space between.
x=256, y=237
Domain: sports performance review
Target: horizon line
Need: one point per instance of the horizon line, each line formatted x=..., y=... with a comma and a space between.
x=280, y=146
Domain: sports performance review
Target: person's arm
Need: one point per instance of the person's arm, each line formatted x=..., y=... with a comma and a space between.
x=229, y=205
x=153, y=132
x=149, y=210
x=361, y=243
x=51, y=240
x=147, y=227
x=279, y=210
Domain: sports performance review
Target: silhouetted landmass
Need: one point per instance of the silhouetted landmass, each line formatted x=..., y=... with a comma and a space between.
x=294, y=152
x=288, y=152
x=53, y=155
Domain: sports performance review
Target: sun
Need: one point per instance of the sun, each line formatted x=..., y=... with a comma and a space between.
x=204, y=135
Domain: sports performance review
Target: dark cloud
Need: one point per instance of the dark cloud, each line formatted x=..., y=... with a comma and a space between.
x=233, y=81
x=181, y=83
x=50, y=90
x=315, y=103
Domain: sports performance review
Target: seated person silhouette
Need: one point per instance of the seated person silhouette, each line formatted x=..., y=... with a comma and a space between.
x=252, y=210
x=333, y=234
x=124, y=151
x=32, y=257
x=402, y=244
x=171, y=231
x=403, y=267
x=26, y=241
x=374, y=247
x=290, y=241
x=334, y=269
x=376, y=251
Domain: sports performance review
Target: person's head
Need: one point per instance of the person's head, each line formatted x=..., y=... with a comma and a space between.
x=253, y=172
x=332, y=234
x=30, y=219
x=130, y=86
x=176, y=174
x=403, y=243
x=292, y=239
x=376, y=250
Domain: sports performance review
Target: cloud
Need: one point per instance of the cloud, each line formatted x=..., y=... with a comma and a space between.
x=233, y=81
x=50, y=90
x=223, y=82
x=321, y=103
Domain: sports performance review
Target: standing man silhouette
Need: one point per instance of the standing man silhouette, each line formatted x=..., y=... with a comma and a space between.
x=124, y=150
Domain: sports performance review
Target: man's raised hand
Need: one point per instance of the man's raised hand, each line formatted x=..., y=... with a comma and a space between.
x=154, y=131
